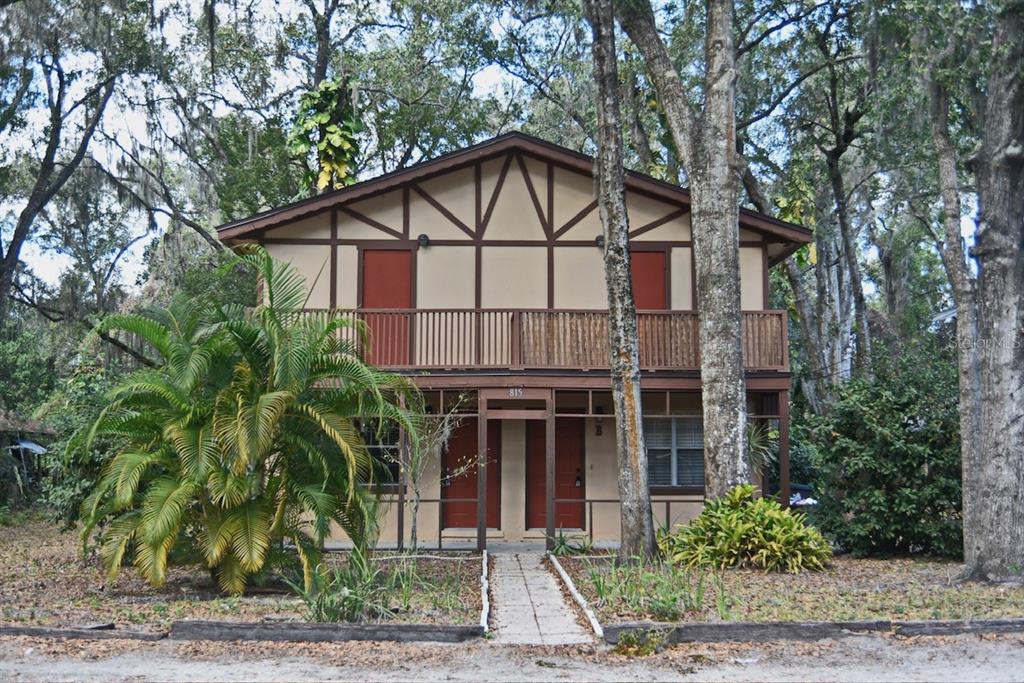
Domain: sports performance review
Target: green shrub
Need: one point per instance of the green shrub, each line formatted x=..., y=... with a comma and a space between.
x=888, y=454
x=739, y=530
x=244, y=437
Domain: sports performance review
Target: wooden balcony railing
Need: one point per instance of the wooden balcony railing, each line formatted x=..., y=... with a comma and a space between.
x=451, y=339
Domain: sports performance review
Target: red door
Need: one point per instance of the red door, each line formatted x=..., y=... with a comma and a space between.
x=460, y=476
x=648, y=271
x=569, y=483
x=387, y=283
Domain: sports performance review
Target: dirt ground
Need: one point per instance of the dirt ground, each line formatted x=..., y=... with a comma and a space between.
x=856, y=658
x=851, y=589
x=47, y=582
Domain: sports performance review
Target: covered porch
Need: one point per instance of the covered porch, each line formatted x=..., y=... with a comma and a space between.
x=548, y=462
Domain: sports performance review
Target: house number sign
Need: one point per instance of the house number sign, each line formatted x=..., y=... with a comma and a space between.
x=515, y=392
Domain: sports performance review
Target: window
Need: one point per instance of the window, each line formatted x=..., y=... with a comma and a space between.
x=675, y=452
x=383, y=445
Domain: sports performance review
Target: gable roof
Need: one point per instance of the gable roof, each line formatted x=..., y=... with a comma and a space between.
x=790, y=233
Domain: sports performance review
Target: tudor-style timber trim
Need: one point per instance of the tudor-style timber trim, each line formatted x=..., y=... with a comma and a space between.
x=509, y=145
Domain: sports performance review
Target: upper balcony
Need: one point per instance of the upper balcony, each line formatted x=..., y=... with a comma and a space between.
x=538, y=339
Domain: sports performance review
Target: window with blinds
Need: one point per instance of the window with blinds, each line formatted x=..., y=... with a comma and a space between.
x=675, y=451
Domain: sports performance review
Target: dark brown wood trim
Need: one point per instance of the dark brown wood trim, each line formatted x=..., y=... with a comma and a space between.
x=371, y=222
x=452, y=218
x=478, y=181
x=551, y=276
x=334, y=259
x=533, y=195
x=406, y=212
x=571, y=223
x=677, y=490
x=784, y=486
x=512, y=142
x=494, y=196
x=688, y=380
x=551, y=197
x=310, y=241
x=678, y=213
x=549, y=472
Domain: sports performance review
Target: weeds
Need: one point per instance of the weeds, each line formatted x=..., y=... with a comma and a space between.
x=564, y=547
x=641, y=643
x=661, y=591
x=362, y=590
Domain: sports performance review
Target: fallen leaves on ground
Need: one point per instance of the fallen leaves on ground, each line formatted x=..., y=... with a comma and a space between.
x=851, y=589
x=47, y=582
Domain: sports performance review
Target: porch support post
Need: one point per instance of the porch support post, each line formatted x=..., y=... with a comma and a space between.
x=481, y=475
x=784, y=488
x=549, y=477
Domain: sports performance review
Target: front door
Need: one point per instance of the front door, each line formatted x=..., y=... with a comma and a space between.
x=459, y=476
x=649, y=283
x=387, y=283
x=569, y=483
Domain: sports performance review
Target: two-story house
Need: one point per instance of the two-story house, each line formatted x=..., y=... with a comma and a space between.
x=480, y=275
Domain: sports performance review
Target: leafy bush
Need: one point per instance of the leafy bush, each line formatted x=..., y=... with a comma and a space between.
x=244, y=437
x=739, y=530
x=73, y=465
x=889, y=457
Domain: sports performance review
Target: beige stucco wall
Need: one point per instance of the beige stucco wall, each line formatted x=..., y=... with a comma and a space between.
x=313, y=264
x=314, y=227
x=514, y=216
x=682, y=278
x=385, y=209
x=348, y=276
x=752, y=278
x=514, y=277
x=445, y=277
x=579, y=278
x=455, y=192
x=602, y=483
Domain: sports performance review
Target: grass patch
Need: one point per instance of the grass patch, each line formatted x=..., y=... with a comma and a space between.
x=849, y=590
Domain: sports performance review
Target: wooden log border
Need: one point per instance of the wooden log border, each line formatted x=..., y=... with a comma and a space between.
x=304, y=632
x=595, y=625
x=705, y=632
x=71, y=633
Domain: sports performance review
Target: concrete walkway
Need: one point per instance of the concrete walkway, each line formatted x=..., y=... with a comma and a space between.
x=529, y=608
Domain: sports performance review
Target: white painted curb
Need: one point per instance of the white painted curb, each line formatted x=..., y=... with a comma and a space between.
x=485, y=610
x=578, y=597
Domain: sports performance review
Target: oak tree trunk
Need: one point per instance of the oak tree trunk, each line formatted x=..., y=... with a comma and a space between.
x=637, y=530
x=964, y=297
x=994, y=529
x=707, y=145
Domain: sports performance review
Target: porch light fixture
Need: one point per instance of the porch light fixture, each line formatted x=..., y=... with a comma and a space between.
x=423, y=240
x=599, y=241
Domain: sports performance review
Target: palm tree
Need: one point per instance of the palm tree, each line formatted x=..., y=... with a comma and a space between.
x=246, y=436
